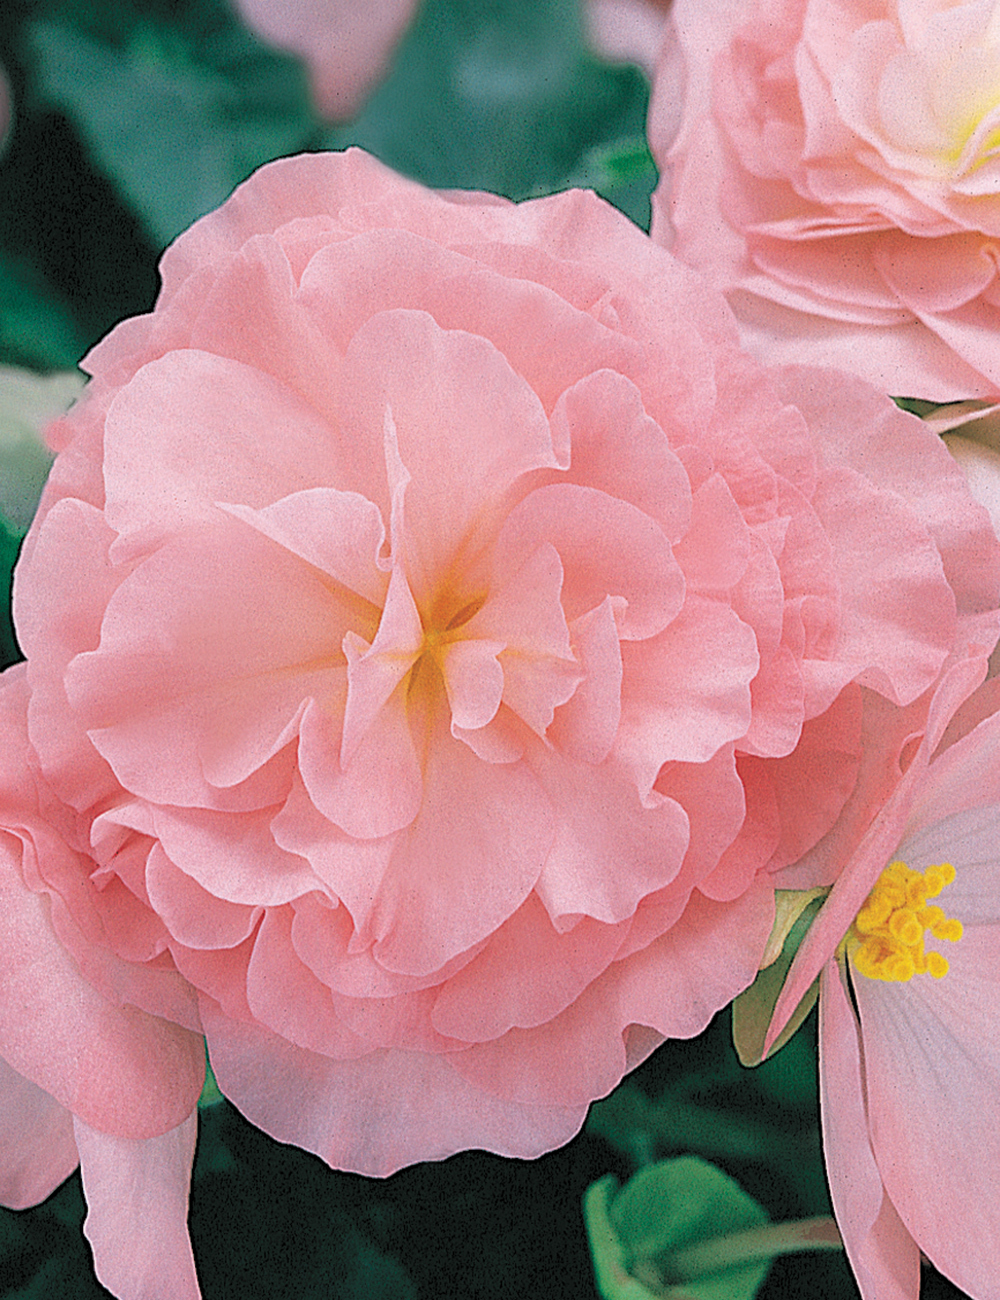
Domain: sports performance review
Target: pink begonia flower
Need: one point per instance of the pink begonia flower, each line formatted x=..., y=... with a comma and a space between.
x=444, y=631
x=631, y=30
x=837, y=174
x=346, y=45
x=910, y=1081
x=85, y=1079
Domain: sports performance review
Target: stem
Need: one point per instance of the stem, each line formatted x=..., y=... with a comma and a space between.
x=720, y=1253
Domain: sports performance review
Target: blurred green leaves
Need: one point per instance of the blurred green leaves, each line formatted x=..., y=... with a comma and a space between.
x=175, y=122
x=684, y=1230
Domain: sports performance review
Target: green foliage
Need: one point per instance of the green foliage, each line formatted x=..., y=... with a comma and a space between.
x=9, y=546
x=36, y=326
x=501, y=97
x=176, y=122
x=657, y=1218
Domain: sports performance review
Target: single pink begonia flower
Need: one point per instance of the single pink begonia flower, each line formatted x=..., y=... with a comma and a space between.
x=444, y=632
x=837, y=174
x=85, y=1080
x=346, y=45
x=910, y=1073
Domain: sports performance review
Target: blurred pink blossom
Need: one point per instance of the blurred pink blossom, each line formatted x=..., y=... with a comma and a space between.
x=837, y=174
x=346, y=45
x=631, y=30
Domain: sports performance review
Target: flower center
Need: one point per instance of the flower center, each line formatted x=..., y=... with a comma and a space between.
x=886, y=941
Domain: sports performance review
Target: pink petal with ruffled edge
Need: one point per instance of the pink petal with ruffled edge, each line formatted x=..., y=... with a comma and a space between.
x=115, y=1066
x=348, y=1113
x=137, y=1203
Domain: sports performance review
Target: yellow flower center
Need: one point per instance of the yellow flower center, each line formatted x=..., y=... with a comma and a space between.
x=886, y=941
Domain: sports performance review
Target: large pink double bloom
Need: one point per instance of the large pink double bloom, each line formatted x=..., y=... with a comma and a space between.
x=837, y=173
x=438, y=630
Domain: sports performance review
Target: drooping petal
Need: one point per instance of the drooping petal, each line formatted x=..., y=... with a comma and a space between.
x=137, y=1204
x=884, y=1256
x=36, y=1141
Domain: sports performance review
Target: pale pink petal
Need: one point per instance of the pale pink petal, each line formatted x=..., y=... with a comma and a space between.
x=527, y=973
x=322, y=936
x=611, y=848
x=53, y=629
x=36, y=1139
x=285, y=996
x=586, y=725
x=251, y=313
x=672, y=713
x=932, y=1071
x=898, y=609
x=674, y=986
x=137, y=1203
x=548, y=337
x=193, y=429
x=524, y=613
x=716, y=550
x=221, y=683
x=450, y=394
x=607, y=547
x=474, y=681
x=617, y=447
x=884, y=1257
x=340, y=533
x=374, y=671
x=224, y=856
x=627, y=29
x=466, y=863
x=195, y=917
x=379, y=790
x=349, y=1113
x=116, y=1066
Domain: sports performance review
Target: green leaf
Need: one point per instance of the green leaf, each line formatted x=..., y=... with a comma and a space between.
x=36, y=329
x=500, y=97
x=671, y=1224
x=9, y=545
x=753, y=1009
x=175, y=120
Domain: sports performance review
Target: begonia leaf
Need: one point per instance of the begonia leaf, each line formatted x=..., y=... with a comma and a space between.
x=36, y=329
x=175, y=123
x=9, y=545
x=657, y=1216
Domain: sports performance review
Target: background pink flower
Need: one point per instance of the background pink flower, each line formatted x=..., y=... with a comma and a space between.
x=627, y=29
x=85, y=1079
x=347, y=46
x=837, y=174
x=442, y=629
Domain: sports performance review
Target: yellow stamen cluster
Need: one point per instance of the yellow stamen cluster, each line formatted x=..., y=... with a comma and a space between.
x=887, y=938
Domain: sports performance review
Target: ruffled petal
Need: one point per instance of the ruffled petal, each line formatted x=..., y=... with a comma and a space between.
x=348, y=1113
